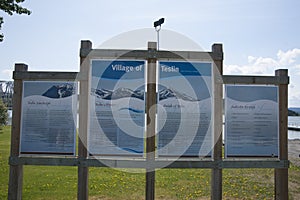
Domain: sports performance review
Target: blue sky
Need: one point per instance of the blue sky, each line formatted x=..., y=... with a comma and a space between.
x=258, y=36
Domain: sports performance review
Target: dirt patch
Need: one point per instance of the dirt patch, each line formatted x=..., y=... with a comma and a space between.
x=294, y=151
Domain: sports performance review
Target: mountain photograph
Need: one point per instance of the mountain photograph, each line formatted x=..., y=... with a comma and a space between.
x=118, y=93
x=60, y=91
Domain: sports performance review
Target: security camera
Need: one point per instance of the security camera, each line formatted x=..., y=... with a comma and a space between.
x=159, y=22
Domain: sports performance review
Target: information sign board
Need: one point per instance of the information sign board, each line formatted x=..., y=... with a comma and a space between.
x=48, y=119
x=185, y=108
x=117, y=107
x=251, y=121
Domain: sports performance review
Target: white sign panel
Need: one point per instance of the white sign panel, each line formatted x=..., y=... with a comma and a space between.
x=48, y=119
x=251, y=121
x=117, y=108
x=185, y=111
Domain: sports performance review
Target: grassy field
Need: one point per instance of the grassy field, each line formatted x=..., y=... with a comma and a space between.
x=42, y=182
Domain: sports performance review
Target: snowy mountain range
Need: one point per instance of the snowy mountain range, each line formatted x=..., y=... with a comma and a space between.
x=126, y=92
x=118, y=93
x=171, y=93
x=60, y=91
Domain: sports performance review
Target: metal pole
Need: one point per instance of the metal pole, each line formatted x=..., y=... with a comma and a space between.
x=157, y=30
x=157, y=40
x=157, y=26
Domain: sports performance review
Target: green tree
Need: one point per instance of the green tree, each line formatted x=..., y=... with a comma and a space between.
x=3, y=114
x=11, y=7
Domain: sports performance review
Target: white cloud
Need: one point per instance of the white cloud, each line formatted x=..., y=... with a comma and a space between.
x=267, y=65
x=288, y=57
x=251, y=59
x=255, y=66
x=233, y=69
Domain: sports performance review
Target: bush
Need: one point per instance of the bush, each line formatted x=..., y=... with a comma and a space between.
x=3, y=114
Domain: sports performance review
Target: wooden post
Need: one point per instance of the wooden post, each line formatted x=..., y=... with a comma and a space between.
x=82, y=193
x=16, y=171
x=216, y=174
x=281, y=175
x=151, y=101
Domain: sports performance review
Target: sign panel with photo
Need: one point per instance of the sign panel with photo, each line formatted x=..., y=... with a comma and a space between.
x=185, y=109
x=117, y=108
x=49, y=115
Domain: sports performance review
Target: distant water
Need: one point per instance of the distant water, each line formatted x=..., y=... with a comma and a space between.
x=295, y=122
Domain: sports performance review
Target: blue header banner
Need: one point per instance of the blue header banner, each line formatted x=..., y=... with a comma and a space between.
x=168, y=69
x=116, y=69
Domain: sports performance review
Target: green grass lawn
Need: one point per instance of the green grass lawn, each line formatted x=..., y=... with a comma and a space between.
x=41, y=182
